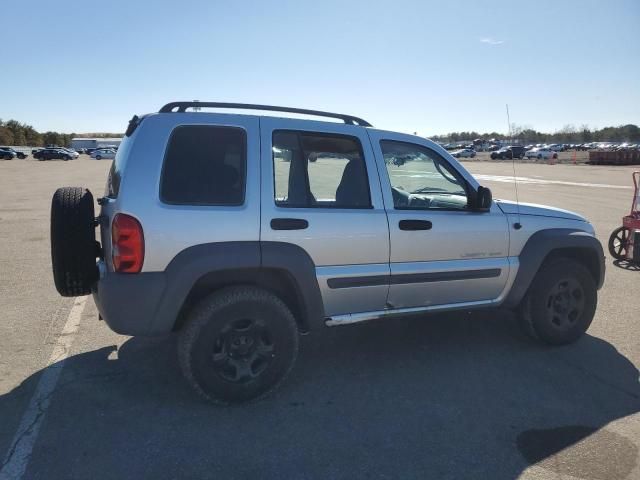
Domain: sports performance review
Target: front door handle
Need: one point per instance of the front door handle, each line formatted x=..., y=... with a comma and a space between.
x=289, y=224
x=415, y=225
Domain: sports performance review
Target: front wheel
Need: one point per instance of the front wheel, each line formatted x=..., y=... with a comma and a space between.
x=98, y=157
x=239, y=344
x=619, y=243
x=560, y=303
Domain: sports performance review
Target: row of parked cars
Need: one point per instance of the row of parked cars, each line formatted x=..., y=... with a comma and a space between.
x=511, y=152
x=58, y=153
x=8, y=153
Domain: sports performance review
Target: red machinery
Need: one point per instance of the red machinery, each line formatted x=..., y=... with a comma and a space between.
x=624, y=242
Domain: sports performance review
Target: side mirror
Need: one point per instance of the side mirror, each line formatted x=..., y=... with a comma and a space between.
x=484, y=199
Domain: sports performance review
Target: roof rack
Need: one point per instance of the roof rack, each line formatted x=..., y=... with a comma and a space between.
x=182, y=106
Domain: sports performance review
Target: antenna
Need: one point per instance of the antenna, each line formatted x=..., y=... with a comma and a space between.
x=516, y=225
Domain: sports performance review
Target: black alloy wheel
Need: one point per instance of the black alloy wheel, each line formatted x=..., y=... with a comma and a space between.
x=565, y=303
x=242, y=351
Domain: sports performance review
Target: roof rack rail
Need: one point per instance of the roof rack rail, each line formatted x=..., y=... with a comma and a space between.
x=182, y=106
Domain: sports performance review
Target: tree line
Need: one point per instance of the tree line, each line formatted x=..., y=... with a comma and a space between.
x=567, y=134
x=19, y=134
x=15, y=133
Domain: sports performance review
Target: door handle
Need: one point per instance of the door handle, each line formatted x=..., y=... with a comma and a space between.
x=415, y=225
x=289, y=224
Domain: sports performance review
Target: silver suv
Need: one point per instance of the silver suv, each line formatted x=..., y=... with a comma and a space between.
x=241, y=231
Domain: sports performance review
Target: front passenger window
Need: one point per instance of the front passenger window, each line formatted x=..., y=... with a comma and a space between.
x=421, y=179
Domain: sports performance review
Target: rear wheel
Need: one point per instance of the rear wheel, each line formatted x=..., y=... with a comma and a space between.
x=239, y=344
x=560, y=303
x=619, y=243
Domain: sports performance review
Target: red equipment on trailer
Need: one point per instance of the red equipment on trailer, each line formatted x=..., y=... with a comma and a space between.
x=624, y=242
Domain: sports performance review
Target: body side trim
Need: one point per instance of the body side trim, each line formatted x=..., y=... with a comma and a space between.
x=402, y=279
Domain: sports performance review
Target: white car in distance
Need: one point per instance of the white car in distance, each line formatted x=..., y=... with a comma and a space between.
x=541, y=153
x=107, y=153
x=464, y=153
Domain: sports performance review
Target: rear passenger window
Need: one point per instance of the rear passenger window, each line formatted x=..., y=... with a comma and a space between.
x=317, y=170
x=204, y=165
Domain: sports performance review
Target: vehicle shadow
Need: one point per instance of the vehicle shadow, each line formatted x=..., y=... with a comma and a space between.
x=627, y=265
x=449, y=396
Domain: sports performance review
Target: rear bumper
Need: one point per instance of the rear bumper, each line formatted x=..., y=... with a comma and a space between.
x=129, y=304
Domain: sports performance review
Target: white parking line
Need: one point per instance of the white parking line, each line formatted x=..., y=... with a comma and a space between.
x=535, y=180
x=17, y=458
x=541, y=181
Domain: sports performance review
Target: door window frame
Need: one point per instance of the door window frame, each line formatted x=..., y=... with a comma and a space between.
x=376, y=136
x=298, y=133
x=436, y=158
x=270, y=124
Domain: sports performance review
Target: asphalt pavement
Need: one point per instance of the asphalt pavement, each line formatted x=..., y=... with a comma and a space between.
x=457, y=395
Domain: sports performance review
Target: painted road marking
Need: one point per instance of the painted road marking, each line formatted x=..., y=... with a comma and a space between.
x=541, y=181
x=17, y=458
x=507, y=179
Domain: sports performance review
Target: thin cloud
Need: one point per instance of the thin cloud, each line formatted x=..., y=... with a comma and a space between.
x=491, y=41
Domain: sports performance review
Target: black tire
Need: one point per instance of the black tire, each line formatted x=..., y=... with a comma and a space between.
x=560, y=303
x=618, y=243
x=239, y=344
x=73, y=241
x=98, y=157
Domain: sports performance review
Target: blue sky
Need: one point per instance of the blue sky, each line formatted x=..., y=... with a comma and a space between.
x=430, y=67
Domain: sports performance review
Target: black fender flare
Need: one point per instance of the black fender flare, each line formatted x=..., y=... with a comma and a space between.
x=564, y=241
x=193, y=263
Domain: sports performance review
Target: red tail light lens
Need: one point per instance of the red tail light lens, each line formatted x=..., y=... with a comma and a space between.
x=127, y=244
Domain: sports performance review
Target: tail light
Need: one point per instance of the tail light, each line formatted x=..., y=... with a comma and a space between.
x=127, y=242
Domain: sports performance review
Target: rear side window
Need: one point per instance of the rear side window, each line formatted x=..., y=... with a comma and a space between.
x=319, y=170
x=204, y=165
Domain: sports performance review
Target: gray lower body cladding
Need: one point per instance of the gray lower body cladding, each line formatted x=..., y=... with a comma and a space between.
x=149, y=303
x=128, y=303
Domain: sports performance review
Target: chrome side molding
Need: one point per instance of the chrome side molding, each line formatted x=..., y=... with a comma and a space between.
x=398, y=312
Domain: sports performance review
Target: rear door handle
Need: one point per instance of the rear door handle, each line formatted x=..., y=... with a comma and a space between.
x=289, y=224
x=415, y=225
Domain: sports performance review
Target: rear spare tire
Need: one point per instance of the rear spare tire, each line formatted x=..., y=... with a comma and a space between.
x=73, y=241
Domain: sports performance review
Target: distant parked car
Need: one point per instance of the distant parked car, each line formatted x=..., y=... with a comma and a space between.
x=464, y=153
x=18, y=154
x=101, y=153
x=514, y=151
x=73, y=153
x=556, y=147
x=53, y=154
x=7, y=154
x=541, y=153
